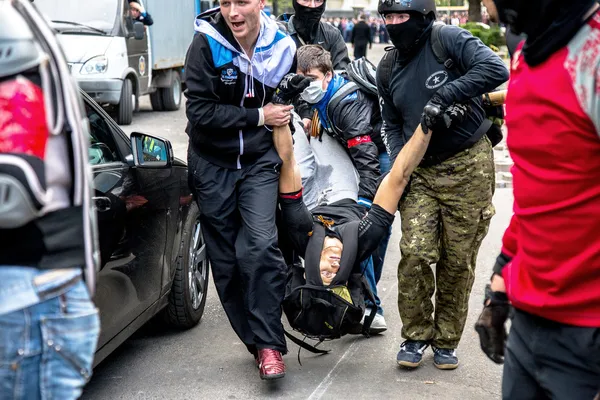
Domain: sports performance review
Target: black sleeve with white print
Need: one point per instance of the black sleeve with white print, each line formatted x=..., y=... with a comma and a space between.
x=373, y=228
x=391, y=127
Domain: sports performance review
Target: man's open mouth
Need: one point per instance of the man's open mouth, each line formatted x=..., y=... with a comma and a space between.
x=237, y=24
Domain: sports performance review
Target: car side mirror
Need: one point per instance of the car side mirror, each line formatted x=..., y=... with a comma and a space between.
x=138, y=30
x=151, y=151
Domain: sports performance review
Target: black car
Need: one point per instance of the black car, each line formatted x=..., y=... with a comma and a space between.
x=153, y=257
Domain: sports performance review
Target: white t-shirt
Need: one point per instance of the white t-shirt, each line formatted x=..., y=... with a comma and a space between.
x=328, y=174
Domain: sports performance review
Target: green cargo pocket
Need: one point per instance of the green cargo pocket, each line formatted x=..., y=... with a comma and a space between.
x=484, y=223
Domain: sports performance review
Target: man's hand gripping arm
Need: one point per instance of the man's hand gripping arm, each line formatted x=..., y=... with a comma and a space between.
x=297, y=219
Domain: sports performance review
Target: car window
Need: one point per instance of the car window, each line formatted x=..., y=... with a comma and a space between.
x=103, y=149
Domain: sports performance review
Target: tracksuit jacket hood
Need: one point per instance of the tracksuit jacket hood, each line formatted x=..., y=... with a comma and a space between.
x=225, y=89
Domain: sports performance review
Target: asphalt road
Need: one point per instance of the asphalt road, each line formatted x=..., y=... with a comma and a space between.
x=209, y=362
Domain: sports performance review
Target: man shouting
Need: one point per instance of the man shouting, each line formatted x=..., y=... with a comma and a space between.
x=233, y=66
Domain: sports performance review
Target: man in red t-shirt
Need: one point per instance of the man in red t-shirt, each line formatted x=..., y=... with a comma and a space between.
x=549, y=266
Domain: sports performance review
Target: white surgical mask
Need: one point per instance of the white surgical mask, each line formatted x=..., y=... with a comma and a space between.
x=314, y=92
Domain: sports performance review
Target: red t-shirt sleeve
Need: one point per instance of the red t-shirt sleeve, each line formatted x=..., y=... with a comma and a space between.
x=509, y=240
x=509, y=247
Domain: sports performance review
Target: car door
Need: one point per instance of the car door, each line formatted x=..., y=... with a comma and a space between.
x=138, y=55
x=132, y=210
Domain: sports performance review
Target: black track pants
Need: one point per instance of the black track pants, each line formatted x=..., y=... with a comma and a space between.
x=360, y=50
x=237, y=210
x=549, y=360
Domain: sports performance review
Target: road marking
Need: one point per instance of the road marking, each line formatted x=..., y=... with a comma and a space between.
x=328, y=380
x=320, y=390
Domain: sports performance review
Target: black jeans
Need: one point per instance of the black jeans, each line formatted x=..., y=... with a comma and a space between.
x=360, y=50
x=237, y=212
x=549, y=360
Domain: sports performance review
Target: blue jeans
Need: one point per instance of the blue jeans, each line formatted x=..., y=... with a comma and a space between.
x=379, y=253
x=46, y=347
x=373, y=266
x=384, y=162
x=367, y=267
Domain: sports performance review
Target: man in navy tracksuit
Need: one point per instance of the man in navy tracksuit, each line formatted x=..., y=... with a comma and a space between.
x=233, y=66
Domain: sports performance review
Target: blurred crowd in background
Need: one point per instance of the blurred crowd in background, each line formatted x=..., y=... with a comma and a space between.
x=380, y=35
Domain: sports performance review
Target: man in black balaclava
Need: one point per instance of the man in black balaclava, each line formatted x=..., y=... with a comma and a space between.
x=305, y=27
x=447, y=210
x=549, y=265
x=548, y=24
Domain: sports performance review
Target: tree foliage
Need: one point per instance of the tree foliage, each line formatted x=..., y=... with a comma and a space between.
x=281, y=6
x=492, y=37
x=445, y=3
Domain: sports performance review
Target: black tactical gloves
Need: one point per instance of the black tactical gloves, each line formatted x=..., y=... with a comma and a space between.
x=438, y=116
x=290, y=86
x=490, y=325
x=431, y=113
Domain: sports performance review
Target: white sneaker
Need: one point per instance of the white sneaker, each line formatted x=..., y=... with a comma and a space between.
x=378, y=325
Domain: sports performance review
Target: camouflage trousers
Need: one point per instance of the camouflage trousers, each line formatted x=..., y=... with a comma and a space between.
x=445, y=216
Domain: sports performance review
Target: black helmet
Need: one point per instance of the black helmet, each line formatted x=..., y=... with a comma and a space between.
x=401, y=6
x=19, y=51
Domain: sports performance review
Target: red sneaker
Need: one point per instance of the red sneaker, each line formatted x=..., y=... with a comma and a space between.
x=270, y=364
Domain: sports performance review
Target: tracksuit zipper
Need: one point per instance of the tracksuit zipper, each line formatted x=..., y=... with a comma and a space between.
x=240, y=132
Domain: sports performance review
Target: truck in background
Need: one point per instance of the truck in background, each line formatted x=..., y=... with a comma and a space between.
x=116, y=60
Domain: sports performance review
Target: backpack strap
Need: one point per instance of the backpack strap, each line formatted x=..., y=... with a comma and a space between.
x=385, y=66
x=437, y=46
x=368, y=318
x=348, y=88
x=304, y=345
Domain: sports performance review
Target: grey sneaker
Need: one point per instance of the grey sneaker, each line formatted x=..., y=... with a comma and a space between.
x=444, y=358
x=378, y=325
x=411, y=353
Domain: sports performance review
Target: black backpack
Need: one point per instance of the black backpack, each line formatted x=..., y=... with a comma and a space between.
x=323, y=312
x=495, y=114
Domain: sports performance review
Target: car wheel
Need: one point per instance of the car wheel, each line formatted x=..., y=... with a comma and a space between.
x=171, y=96
x=126, y=104
x=190, y=285
x=136, y=103
x=156, y=101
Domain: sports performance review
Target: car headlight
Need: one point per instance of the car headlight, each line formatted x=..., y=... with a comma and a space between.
x=96, y=65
